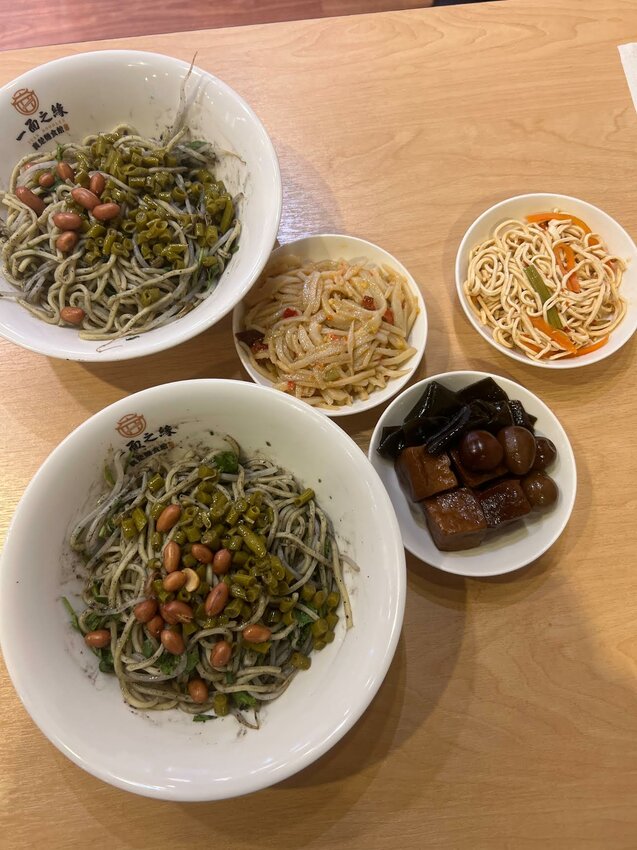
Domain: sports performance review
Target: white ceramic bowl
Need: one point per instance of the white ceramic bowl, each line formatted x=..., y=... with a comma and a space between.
x=99, y=90
x=334, y=246
x=617, y=239
x=165, y=754
x=509, y=549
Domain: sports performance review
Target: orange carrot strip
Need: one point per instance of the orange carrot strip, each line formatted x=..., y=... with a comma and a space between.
x=540, y=218
x=588, y=349
x=565, y=256
x=531, y=345
x=558, y=337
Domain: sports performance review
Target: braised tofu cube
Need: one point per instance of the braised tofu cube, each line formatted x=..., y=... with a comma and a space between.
x=503, y=503
x=423, y=474
x=455, y=520
x=474, y=479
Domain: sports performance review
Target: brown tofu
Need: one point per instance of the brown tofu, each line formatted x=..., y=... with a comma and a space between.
x=474, y=479
x=455, y=520
x=503, y=503
x=423, y=474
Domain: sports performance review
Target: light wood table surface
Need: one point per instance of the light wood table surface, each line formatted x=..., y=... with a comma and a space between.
x=509, y=716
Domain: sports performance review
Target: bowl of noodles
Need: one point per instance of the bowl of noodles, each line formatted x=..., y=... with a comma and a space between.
x=220, y=605
x=134, y=212
x=549, y=280
x=333, y=320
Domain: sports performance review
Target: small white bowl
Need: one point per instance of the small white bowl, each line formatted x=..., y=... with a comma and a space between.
x=164, y=754
x=99, y=90
x=617, y=239
x=334, y=246
x=508, y=550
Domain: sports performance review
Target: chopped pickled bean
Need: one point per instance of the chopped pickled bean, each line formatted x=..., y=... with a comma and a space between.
x=331, y=620
x=139, y=518
x=252, y=540
x=128, y=528
x=156, y=483
x=193, y=534
x=319, y=628
x=157, y=510
x=333, y=599
x=307, y=591
x=220, y=704
x=305, y=497
x=179, y=537
x=300, y=661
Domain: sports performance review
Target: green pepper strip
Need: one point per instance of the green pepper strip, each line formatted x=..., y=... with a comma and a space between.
x=536, y=281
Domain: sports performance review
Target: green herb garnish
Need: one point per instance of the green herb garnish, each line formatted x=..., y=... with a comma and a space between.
x=75, y=623
x=227, y=462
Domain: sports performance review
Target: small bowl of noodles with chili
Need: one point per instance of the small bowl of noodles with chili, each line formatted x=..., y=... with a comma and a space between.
x=333, y=320
x=220, y=604
x=549, y=280
x=135, y=210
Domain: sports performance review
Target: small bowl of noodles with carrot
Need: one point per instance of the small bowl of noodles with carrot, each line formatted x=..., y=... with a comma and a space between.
x=549, y=280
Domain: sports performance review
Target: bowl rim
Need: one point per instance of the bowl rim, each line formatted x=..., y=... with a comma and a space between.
x=376, y=398
x=568, y=457
x=175, y=335
x=485, y=333
x=249, y=783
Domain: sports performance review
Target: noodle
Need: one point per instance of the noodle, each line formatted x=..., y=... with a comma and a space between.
x=154, y=261
x=329, y=332
x=582, y=302
x=124, y=570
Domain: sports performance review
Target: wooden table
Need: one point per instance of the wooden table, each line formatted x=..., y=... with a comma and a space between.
x=509, y=716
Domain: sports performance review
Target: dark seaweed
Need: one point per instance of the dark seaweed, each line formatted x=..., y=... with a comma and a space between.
x=485, y=389
x=452, y=431
x=436, y=400
x=521, y=417
x=441, y=416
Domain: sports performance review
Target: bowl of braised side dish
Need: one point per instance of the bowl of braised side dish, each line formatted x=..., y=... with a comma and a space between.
x=479, y=470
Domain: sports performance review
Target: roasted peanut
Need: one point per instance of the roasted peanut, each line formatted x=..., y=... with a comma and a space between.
x=192, y=579
x=174, y=582
x=171, y=556
x=46, y=180
x=155, y=626
x=198, y=690
x=220, y=654
x=221, y=562
x=72, y=315
x=176, y=612
x=145, y=611
x=172, y=642
x=202, y=553
x=64, y=170
x=256, y=633
x=105, y=212
x=66, y=241
x=85, y=198
x=29, y=198
x=67, y=220
x=168, y=517
x=217, y=599
x=97, y=183
x=98, y=639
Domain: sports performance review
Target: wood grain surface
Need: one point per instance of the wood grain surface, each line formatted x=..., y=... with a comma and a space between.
x=509, y=716
x=29, y=23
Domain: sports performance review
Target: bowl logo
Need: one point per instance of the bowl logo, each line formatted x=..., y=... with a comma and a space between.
x=25, y=101
x=131, y=425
